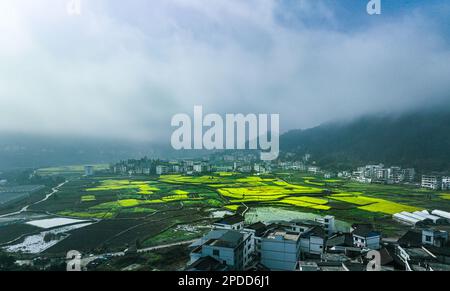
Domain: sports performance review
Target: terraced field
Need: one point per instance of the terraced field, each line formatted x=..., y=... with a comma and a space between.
x=374, y=204
x=149, y=207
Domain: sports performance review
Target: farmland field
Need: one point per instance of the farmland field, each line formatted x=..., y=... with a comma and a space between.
x=151, y=209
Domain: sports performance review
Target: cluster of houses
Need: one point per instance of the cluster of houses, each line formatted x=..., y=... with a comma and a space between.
x=147, y=166
x=224, y=163
x=436, y=182
x=381, y=174
x=315, y=245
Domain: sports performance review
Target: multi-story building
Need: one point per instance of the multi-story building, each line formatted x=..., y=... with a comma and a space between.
x=445, y=183
x=88, y=171
x=280, y=249
x=370, y=171
x=197, y=168
x=431, y=182
x=227, y=249
x=161, y=170
x=394, y=175
x=378, y=173
x=365, y=237
x=328, y=223
x=257, y=230
x=232, y=222
x=409, y=174
x=312, y=242
x=434, y=237
x=313, y=169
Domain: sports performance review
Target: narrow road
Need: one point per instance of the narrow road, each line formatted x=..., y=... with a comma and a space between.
x=166, y=246
x=25, y=209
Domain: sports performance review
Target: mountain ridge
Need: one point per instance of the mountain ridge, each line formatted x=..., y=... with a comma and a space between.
x=418, y=139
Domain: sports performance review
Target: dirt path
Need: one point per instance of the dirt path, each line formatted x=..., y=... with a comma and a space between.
x=25, y=209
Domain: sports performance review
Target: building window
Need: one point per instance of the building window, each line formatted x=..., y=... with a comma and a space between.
x=216, y=253
x=428, y=238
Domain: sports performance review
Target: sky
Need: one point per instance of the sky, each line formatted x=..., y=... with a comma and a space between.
x=122, y=69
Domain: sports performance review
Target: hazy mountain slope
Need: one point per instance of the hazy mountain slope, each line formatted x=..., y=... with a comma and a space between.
x=420, y=140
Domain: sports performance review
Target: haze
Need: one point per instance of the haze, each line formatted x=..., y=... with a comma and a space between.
x=123, y=69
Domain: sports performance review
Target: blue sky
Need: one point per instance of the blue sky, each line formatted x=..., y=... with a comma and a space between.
x=122, y=69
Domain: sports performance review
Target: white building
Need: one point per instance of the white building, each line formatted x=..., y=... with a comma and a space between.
x=430, y=182
x=313, y=169
x=328, y=223
x=88, y=171
x=280, y=249
x=445, y=183
x=197, y=168
x=252, y=250
x=365, y=237
x=434, y=237
x=161, y=170
x=232, y=222
x=228, y=249
x=312, y=242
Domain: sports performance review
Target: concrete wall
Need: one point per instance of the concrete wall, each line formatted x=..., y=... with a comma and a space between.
x=280, y=255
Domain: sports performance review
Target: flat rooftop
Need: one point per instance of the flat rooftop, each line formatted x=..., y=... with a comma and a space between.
x=281, y=234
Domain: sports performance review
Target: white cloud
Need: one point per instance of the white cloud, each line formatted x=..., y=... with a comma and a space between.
x=123, y=70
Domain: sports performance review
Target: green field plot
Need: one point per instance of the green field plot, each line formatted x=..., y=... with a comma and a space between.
x=233, y=207
x=217, y=179
x=374, y=204
x=134, y=203
x=314, y=182
x=264, y=191
x=69, y=170
x=88, y=214
x=173, y=235
x=110, y=198
x=445, y=196
x=196, y=180
x=88, y=198
x=307, y=202
x=141, y=187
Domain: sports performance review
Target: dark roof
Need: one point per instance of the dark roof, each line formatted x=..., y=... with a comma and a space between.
x=329, y=257
x=306, y=222
x=213, y=234
x=411, y=239
x=315, y=231
x=258, y=227
x=444, y=251
x=207, y=264
x=355, y=267
x=418, y=254
x=341, y=239
x=229, y=239
x=365, y=231
x=231, y=219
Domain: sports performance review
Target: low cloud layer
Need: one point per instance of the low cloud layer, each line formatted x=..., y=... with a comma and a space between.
x=124, y=69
